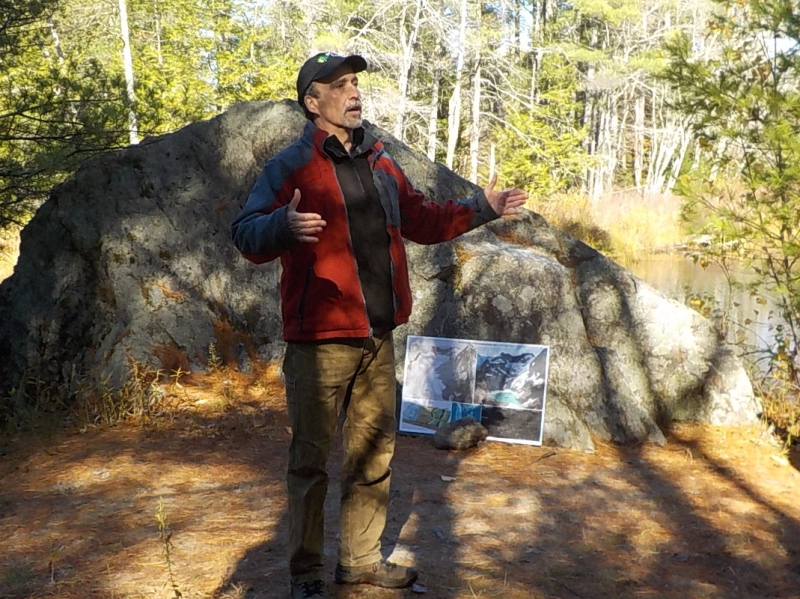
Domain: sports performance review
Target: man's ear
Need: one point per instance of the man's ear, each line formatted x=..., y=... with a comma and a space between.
x=311, y=104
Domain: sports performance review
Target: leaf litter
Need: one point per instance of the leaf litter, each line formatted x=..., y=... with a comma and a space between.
x=713, y=514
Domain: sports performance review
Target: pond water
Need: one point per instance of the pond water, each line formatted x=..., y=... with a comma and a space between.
x=749, y=319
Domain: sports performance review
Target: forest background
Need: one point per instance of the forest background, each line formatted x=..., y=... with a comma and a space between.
x=563, y=96
x=635, y=125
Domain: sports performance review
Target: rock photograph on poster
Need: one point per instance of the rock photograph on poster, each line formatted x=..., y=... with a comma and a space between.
x=501, y=385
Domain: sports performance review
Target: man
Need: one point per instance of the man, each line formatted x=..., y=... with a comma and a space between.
x=335, y=207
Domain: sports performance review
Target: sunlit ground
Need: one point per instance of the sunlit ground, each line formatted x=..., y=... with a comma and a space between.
x=714, y=514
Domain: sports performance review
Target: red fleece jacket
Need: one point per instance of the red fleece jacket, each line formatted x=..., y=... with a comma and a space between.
x=321, y=295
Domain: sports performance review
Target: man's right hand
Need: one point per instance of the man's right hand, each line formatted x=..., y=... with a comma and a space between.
x=305, y=226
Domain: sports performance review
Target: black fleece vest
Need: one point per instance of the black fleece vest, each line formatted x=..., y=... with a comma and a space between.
x=368, y=234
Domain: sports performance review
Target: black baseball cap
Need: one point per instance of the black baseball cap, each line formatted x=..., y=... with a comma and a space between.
x=323, y=64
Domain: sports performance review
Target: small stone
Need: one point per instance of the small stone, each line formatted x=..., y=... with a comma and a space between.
x=460, y=434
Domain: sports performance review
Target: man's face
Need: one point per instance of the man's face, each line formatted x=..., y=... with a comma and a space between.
x=337, y=104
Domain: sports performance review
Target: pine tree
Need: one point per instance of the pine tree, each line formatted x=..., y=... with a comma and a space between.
x=57, y=106
x=745, y=109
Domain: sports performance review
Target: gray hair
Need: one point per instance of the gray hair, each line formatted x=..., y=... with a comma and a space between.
x=312, y=91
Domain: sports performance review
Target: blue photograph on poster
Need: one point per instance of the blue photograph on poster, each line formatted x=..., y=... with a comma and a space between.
x=511, y=377
x=466, y=410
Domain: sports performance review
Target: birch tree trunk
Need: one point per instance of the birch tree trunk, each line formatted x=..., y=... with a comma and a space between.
x=667, y=141
x=534, y=87
x=157, y=17
x=638, y=140
x=56, y=41
x=407, y=43
x=454, y=107
x=127, y=61
x=677, y=162
x=536, y=25
x=592, y=114
x=620, y=109
x=654, y=116
x=606, y=146
x=664, y=149
x=433, y=116
x=601, y=149
x=591, y=117
x=309, y=24
x=475, y=130
x=58, y=90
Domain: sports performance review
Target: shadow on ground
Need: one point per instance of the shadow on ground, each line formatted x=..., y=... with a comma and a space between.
x=711, y=515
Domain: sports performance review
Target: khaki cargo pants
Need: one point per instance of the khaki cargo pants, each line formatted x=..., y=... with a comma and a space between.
x=353, y=380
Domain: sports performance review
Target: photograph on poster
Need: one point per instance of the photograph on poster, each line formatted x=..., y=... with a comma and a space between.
x=502, y=385
x=424, y=417
x=467, y=410
x=511, y=376
x=439, y=369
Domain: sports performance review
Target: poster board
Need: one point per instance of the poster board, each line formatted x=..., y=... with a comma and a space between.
x=501, y=385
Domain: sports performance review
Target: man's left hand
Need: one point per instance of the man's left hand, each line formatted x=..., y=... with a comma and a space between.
x=506, y=202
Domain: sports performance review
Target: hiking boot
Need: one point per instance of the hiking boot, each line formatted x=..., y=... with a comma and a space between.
x=381, y=574
x=308, y=589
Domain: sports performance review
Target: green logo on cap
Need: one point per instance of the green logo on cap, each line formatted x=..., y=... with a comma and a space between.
x=323, y=58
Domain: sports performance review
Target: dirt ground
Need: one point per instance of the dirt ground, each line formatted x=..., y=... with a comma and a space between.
x=713, y=514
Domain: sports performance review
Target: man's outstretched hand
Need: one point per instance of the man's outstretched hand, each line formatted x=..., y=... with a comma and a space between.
x=305, y=226
x=506, y=202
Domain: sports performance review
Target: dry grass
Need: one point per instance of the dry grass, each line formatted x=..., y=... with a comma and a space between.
x=712, y=515
x=625, y=225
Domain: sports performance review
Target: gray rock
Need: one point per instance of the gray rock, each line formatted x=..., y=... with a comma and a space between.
x=460, y=434
x=129, y=265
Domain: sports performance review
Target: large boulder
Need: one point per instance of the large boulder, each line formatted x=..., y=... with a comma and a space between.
x=129, y=265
